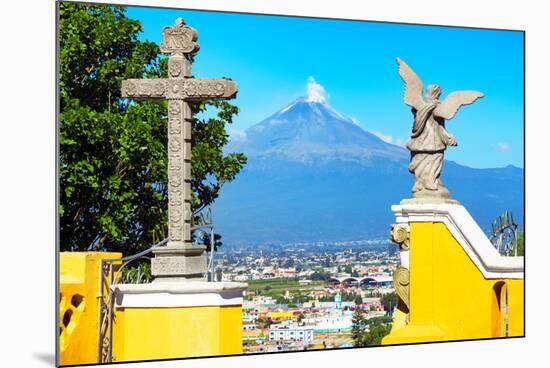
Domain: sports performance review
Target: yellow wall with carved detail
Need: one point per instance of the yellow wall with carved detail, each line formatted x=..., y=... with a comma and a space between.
x=450, y=299
x=78, y=307
x=138, y=333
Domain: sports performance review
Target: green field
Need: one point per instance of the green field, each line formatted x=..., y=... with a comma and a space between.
x=280, y=285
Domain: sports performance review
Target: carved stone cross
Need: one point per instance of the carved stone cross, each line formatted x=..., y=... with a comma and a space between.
x=180, y=259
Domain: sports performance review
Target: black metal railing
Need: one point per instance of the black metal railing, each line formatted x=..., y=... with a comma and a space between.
x=505, y=234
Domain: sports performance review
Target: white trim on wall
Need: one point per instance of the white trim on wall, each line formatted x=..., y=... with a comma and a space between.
x=179, y=294
x=467, y=233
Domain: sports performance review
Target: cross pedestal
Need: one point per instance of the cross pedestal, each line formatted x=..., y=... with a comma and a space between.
x=179, y=259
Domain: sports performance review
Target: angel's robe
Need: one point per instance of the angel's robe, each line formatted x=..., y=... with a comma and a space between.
x=427, y=144
x=428, y=134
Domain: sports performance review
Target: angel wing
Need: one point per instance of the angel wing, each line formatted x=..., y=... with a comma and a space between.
x=448, y=108
x=413, y=85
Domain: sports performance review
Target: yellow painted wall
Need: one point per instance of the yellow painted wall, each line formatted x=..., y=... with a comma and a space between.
x=138, y=333
x=79, y=281
x=164, y=333
x=281, y=315
x=449, y=297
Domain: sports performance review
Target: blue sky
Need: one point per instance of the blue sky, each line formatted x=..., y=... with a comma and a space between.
x=271, y=58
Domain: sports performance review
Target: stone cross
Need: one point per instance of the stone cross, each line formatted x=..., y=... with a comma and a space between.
x=179, y=259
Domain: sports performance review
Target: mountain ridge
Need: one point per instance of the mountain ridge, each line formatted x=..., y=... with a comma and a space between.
x=304, y=128
x=314, y=175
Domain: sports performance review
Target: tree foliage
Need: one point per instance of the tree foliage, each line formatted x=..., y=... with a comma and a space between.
x=358, y=327
x=521, y=244
x=378, y=328
x=113, y=158
x=389, y=301
x=369, y=332
x=320, y=275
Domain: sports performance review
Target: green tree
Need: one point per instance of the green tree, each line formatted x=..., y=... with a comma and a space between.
x=113, y=161
x=376, y=334
x=348, y=296
x=358, y=300
x=358, y=327
x=369, y=332
x=521, y=243
x=322, y=276
x=280, y=299
x=389, y=301
x=378, y=327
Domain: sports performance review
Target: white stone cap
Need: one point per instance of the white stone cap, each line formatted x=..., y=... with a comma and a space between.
x=467, y=233
x=179, y=294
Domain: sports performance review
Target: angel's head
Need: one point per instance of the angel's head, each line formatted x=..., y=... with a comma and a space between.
x=433, y=92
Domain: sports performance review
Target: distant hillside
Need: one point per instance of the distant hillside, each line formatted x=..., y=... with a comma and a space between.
x=315, y=175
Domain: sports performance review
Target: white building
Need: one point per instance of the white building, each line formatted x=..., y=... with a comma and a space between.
x=333, y=323
x=304, y=334
x=242, y=277
x=249, y=327
x=258, y=300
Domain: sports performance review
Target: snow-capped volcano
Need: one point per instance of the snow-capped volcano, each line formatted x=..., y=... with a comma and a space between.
x=313, y=175
x=308, y=128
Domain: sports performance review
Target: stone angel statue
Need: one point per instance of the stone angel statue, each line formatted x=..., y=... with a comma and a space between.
x=429, y=138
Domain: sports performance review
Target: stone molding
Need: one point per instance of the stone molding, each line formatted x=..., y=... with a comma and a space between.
x=188, y=89
x=467, y=233
x=179, y=294
x=179, y=39
x=401, y=284
x=399, y=234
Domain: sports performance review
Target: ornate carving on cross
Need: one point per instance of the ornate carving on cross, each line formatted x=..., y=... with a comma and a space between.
x=179, y=88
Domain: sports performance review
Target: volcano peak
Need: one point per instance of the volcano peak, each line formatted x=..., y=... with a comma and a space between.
x=308, y=128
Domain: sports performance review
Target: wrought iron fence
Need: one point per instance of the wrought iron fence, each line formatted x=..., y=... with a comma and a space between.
x=505, y=234
x=204, y=228
x=112, y=272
